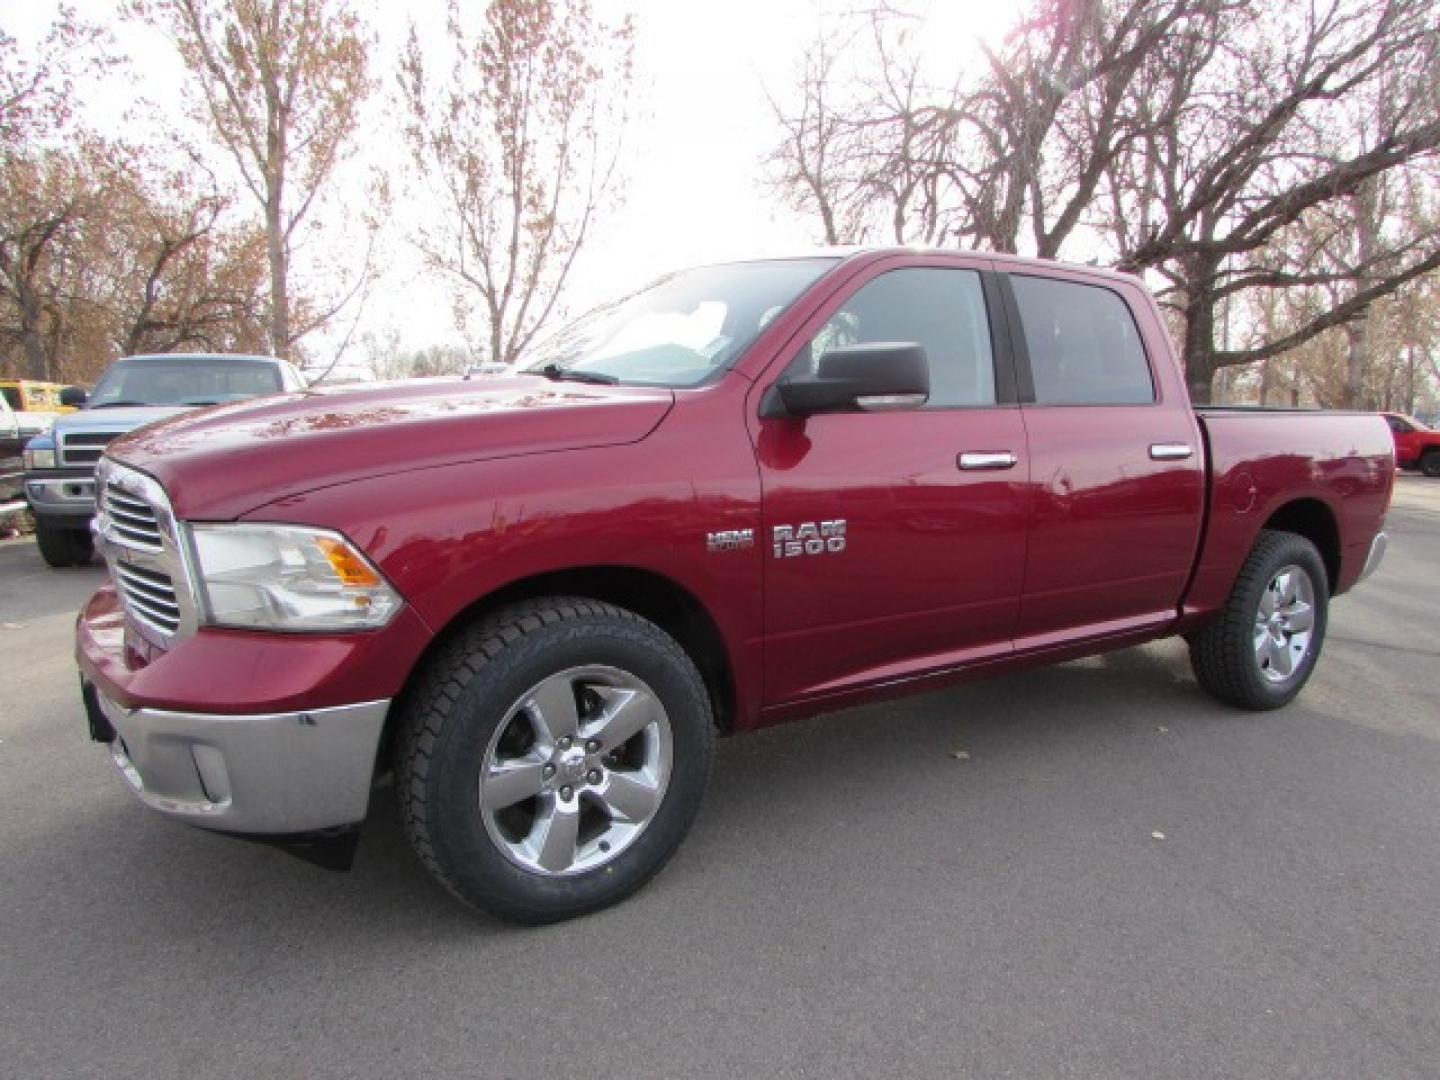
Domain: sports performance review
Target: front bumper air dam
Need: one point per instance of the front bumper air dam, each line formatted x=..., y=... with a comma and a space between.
x=279, y=773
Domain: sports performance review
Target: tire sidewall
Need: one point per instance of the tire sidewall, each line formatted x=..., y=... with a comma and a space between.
x=1430, y=463
x=462, y=844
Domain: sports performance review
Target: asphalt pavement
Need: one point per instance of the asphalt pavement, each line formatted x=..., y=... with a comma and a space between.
x=1087, y=871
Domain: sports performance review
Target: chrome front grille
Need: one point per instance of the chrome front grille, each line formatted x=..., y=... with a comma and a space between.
x=132, y=517
x=145, y=549
x=85, y=447
x=149, y=596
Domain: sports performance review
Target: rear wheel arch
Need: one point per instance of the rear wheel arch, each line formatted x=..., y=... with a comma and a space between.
x=1316, y=522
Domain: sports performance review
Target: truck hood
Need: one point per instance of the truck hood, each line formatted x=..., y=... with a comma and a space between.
x=222, y=462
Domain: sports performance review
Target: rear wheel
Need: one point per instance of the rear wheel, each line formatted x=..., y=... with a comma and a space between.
x=1259, y=652
x=61, y=546
x=1430, y=463
x=552, y=758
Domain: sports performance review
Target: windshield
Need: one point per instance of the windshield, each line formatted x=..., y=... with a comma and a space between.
x=680, y=331
x=184, y=381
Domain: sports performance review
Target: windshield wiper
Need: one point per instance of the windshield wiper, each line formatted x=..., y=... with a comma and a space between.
x=555, y=373
x=122, y=405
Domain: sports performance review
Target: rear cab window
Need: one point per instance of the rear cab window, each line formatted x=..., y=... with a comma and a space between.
x=1083, y=344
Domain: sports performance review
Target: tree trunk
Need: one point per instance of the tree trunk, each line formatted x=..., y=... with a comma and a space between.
x=279, y=280
x=37, y=359
x=1410, y=380
x=1357, y=334
x=1199, y=343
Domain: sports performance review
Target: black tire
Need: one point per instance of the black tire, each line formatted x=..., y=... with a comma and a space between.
x=1430, y=463
x=1223, y=653
x=456, y=710
x=62, y=547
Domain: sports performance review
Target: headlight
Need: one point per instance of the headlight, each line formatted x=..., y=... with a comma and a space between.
x=40, y=456
x=285, y=577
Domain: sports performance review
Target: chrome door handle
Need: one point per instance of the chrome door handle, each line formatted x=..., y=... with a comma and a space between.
x=1001, y=460
x=1170, y=451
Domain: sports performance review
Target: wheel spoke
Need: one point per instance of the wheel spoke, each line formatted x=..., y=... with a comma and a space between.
x=509, y=782
x=1265, y=654
x=552, y=709
x=1282, y=659
x=627, y=713
x=1299, y=617
x=631, y=797
x=1267, y=604
x=555, y=833
x=1285, y=588
x=1262, y=643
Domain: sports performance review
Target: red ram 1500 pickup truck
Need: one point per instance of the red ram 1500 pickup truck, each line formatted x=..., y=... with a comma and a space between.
x=745, y=494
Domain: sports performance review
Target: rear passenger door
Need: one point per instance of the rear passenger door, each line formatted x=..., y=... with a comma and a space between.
x=1116, y=468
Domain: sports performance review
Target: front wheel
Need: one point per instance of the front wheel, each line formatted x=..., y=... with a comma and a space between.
x=552, y=758
x=61, y=547
x=1430, y=463
x=1261, y=649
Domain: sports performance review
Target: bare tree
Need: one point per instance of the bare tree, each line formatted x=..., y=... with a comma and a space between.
x=1008, y=155
x=282, y=84
x=517, y=143
x=1265, y=133
x=176, y=275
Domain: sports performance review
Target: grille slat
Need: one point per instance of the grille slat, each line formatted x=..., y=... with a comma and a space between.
x=129, y=504
x=151, y=592
x=132, y=518
x=149, y=596
x=139, y=536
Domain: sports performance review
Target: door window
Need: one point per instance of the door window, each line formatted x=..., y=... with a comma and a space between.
x=943, y=310
x=1083, y=344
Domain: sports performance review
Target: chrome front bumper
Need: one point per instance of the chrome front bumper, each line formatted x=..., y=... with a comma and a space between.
x=1377, y=554
x=278, y=773
x=69, y=496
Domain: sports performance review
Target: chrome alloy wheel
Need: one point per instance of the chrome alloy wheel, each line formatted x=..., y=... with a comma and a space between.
x=576, y=770
x=1284, y=623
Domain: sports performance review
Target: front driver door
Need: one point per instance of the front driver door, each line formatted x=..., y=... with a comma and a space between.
x=895, y=541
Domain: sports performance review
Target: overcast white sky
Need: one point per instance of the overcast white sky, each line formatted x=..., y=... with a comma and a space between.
x=695, y=190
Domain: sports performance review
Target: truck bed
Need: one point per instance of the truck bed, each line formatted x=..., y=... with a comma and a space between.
x=1269, y=466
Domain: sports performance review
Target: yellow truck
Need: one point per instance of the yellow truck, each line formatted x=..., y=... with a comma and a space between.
x=32, y=396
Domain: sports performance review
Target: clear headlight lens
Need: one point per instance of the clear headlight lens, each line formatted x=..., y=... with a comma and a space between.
x=39, y=458
x=286, y=577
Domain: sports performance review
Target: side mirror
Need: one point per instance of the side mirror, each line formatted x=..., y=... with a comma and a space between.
x=874, y=377
x=73, y=397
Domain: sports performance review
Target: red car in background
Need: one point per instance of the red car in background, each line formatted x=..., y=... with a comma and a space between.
x=1416, y=446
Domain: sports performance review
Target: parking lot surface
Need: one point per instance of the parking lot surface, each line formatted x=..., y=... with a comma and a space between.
x=1087, y=871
